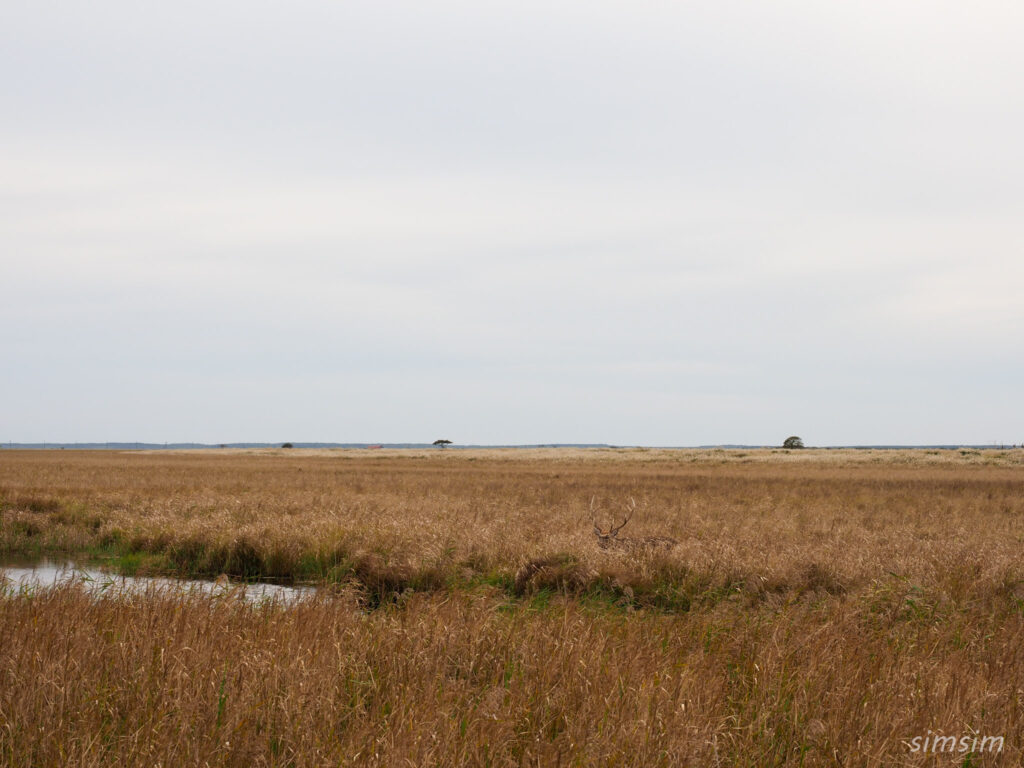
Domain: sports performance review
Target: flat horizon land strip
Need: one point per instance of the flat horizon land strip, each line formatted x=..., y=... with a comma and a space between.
x=821, y=608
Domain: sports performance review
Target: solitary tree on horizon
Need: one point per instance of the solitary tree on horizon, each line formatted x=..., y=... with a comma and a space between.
x=442, y=443
x=793, y=442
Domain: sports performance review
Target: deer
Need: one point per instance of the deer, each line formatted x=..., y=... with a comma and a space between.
x=608, y=538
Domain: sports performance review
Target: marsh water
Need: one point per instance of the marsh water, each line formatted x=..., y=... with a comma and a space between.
x=23, y=574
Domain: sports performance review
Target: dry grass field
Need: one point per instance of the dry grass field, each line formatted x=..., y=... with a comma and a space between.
x=820, y=608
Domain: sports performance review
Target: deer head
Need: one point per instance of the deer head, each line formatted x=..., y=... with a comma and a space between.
x=607, y=537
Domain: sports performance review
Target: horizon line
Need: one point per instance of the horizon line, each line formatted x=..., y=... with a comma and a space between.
x=169, y=445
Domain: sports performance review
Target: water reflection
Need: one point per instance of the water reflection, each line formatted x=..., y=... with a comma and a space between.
x=25, y=576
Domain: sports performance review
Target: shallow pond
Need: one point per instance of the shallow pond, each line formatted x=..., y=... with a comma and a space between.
x=18, y=575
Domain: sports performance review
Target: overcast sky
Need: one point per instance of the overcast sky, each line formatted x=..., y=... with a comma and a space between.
x=512, y=222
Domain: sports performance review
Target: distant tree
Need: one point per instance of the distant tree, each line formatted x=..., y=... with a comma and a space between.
x=287, y=445
x=442, y=443
x=793, y=442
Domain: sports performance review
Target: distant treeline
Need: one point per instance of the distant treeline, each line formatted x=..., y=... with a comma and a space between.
x=213, y=446
x=140, y=446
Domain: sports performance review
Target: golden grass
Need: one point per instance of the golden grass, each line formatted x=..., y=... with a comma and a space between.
x=822, y=608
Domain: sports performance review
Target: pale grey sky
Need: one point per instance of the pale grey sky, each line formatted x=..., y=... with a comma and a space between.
x=635, y=223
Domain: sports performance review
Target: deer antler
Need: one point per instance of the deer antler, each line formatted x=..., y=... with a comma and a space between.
x=630, y=509
x=593, y=517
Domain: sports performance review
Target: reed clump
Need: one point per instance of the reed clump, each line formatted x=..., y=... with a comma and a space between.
x=469, y=678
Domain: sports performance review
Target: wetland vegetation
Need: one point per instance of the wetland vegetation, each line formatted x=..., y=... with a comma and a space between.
x=819, y=608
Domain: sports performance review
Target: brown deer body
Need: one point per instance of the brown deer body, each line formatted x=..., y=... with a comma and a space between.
x=609, y=539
